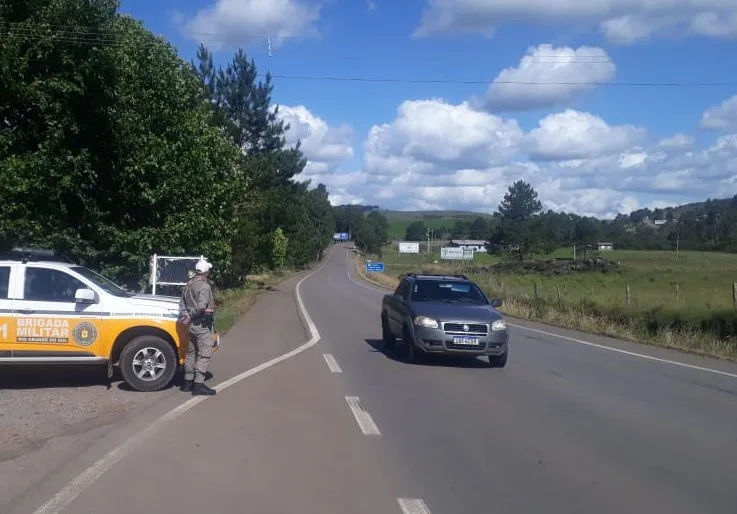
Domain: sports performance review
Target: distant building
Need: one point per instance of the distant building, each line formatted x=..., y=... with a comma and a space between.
x=605, y=247
x=476, y=245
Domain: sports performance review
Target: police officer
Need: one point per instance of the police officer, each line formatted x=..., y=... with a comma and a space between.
x=197, y=306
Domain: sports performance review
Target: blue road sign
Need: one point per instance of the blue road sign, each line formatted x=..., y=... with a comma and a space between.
x=344, y=236
x=375, y=267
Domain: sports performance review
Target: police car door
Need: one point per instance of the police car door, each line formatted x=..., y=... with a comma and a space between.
x=50, y=323
x=7, y=323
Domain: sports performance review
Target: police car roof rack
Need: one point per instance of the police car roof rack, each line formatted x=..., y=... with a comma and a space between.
x=26, y=254
x=439, y=275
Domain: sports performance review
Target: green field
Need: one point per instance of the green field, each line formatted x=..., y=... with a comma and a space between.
x=685, y=302
x=400, y=220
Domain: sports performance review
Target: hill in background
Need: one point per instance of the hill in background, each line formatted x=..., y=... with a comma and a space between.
x=441, y=220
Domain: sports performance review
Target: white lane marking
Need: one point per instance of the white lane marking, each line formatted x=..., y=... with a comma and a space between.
x=363, y=418
x=74, y=488
x=332, y=363
x=413, y=506
x=626, y=352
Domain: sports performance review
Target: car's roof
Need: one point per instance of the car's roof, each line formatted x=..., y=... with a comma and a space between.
x=35, y=255
x=453, y=278
x=59, y=264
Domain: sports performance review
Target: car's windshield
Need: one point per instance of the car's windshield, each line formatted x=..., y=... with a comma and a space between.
x=446, y=291
x=103, y=283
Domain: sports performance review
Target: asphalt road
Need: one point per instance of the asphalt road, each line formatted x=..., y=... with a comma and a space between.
x=570, y=426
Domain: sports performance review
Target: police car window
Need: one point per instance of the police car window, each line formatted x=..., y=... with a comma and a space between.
x=4, y=281
x=101, y=281
x=50, y=285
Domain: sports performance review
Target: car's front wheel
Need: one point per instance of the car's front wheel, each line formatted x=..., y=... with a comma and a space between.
x=386, y=333
x=498, y=361
x=414, y=355
x=148, y=363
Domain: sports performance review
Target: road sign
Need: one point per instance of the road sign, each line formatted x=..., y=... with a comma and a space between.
x=456, y=253
x=375, y=267
x=409, y=247
x=451, y=253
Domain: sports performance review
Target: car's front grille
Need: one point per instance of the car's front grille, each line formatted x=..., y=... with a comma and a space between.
x=460, y=329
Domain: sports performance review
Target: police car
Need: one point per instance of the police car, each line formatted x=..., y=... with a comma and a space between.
x=56, y=312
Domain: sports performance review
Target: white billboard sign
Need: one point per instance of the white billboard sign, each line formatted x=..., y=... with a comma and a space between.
x=451, y=253
x=409, y=247
x=456, y=254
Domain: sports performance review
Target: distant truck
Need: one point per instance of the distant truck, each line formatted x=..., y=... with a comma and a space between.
x=442, y=314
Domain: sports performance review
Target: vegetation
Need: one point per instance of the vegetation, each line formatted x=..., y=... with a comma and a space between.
x=678, y=293
x=113, y=148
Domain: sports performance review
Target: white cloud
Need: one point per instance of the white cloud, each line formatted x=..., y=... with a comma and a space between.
x=237, y=22
x=324, y=147
x=439, y=155
x=446, y=135
x=722, y=116
x=547, y=76
x=579, y=135
x=621, y=21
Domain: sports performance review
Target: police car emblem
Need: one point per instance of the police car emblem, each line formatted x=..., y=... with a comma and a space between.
x=84, y=334
x=465, y=328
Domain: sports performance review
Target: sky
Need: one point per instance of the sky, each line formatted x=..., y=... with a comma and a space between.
x=604, y=106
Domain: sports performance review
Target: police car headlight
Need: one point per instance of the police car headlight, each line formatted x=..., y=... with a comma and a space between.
x=424, y=321
x=499, y=325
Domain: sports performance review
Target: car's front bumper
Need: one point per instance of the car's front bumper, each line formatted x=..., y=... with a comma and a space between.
x=435, y=340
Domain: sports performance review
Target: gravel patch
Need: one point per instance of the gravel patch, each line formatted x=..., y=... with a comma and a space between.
x=38, y=403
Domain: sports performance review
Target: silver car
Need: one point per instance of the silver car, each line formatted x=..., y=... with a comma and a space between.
x=444, y=314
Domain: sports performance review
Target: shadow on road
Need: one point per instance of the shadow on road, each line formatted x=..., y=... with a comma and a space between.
x=399, y=354
x=57, y=376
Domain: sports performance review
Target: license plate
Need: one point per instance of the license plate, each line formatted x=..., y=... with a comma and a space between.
x=466, y=340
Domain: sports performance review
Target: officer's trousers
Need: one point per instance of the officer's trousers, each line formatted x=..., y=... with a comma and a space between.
x=199, y=352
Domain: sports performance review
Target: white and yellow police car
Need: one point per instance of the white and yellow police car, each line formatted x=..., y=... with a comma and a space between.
x=56, y=312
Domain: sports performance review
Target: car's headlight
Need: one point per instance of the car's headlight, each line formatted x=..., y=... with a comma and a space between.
x=499, y=325
x=424, y=321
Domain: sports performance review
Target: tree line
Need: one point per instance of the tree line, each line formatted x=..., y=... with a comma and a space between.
x=520, y=227
x=112, y=147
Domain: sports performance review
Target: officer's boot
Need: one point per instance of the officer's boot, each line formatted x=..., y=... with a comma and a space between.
x=203, y=390
x=187, y=386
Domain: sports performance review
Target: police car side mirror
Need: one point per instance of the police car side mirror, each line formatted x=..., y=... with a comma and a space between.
x=85, y=296
x=496, y=303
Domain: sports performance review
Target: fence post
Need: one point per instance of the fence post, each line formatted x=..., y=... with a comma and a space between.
x=534, y=284
x=627, y=294
x=557, y=290
x=734, y=294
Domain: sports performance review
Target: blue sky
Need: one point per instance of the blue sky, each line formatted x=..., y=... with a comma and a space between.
x=607, y=148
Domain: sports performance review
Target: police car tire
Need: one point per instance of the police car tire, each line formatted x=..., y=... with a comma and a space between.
x=126, y=363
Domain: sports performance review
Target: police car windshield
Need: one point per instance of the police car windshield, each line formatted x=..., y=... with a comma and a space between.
x=446, y=291
x=103, y=283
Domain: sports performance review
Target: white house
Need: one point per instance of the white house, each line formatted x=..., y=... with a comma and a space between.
x=605, y=247
x=469, y=244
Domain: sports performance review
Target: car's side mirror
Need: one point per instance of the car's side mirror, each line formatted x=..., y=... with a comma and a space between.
x=496, y=303
x=85, y=295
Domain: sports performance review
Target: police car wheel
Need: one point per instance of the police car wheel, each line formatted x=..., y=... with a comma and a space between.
x=148, y=363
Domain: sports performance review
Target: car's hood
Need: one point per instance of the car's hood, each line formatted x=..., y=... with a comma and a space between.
x=155, y=301
x=456, y=311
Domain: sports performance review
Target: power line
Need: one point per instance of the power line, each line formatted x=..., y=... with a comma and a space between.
x=111, y=38
x=514, y=82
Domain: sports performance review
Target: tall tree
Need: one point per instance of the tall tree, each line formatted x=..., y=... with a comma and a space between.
x=520, y=203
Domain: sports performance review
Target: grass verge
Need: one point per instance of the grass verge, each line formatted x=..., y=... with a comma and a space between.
x=583, y=316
